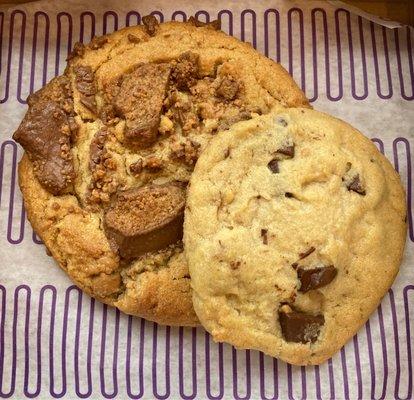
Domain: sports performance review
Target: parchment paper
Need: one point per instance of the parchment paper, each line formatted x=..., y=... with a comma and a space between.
x=56, y=342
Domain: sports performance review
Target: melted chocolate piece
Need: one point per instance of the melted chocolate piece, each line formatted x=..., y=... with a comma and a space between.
x=85, y=83
x=215, y=24
x=273, y=165
x=140, y=99
x=45, y=134
x=288, y=151
x=300, y=327
x=306, y=253
x=185, y=73
x=151, y=23
x=263, y=234
x=316, y=277
x=146, y=219
x=356, y=186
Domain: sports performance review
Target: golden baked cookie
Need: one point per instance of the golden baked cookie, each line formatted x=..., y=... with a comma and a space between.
x=111, y=144
x=294, y=230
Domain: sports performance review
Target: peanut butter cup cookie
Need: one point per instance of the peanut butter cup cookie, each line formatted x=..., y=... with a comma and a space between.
x=111, y=144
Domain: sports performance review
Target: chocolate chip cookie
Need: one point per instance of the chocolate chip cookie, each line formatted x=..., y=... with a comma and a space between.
x=294, y=230
x=111, y=144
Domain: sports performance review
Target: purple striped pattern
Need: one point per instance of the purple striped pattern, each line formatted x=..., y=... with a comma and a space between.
x=117, y=351
x=347, y=32
x=61, y=342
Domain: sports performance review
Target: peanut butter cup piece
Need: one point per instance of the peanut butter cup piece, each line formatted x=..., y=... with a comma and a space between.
x=150, y=218
x=298, y=326
x=140, y=99
x=45, y=134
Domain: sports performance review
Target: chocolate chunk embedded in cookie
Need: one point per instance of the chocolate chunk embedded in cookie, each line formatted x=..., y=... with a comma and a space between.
x=146, y=99
x=285, y=237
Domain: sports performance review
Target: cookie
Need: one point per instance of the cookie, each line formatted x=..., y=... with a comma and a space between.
x=111, y=144
x=294, y=231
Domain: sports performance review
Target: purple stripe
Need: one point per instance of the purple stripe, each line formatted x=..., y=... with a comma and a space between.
x=140, y=358
x=379, y=77
x=358, y=366
x=277, y=32
x=9, y=59
x=317, y=382
x=58, y=38
x=344, y=373
x=352, y=61
x=76, y=352
x=182, y=16
x=1, y=46
x=339, y=58
x=302, y=45
x=167, y=363
x=129, y=16
x=409, y=341
x=262, y=378
x=208, y=369
x=2, y=347
x=83, y=23
x=230, y=19
x=315, y=51
x=159, y=15
x=409, y=179
x=38, y=14
x=21, y=56
x=379, y=143
x=106, y=16
x=400, y=73
x=243, y=24
x=235, y=376
x=193, y=363
x=331, y=379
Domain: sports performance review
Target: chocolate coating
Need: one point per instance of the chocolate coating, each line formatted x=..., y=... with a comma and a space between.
x=300, y=327
x=315, y=278
x=146, y=219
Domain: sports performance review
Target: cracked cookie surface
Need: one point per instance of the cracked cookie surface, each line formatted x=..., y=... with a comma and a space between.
x=111, y=145
x=294, y=230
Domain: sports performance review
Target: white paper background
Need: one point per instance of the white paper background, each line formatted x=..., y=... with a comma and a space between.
x=55, y=342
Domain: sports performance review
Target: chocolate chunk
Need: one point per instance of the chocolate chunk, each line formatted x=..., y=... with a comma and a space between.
x=140, y=100
x=288, y=151
x=85, y=83
x=228, y=88
x=151, y=24
x=136, y=167
x=77, y=51
x=215, y=24
x=289, y=195
x=185, y=73
x=146, y=219
x=306, y=253
x=273, y=165
x=133, y=39
x=356, y=186
x=97, y=42
x=316, y=277
x=45, y=134
x=263, y=234
x=299, y=327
